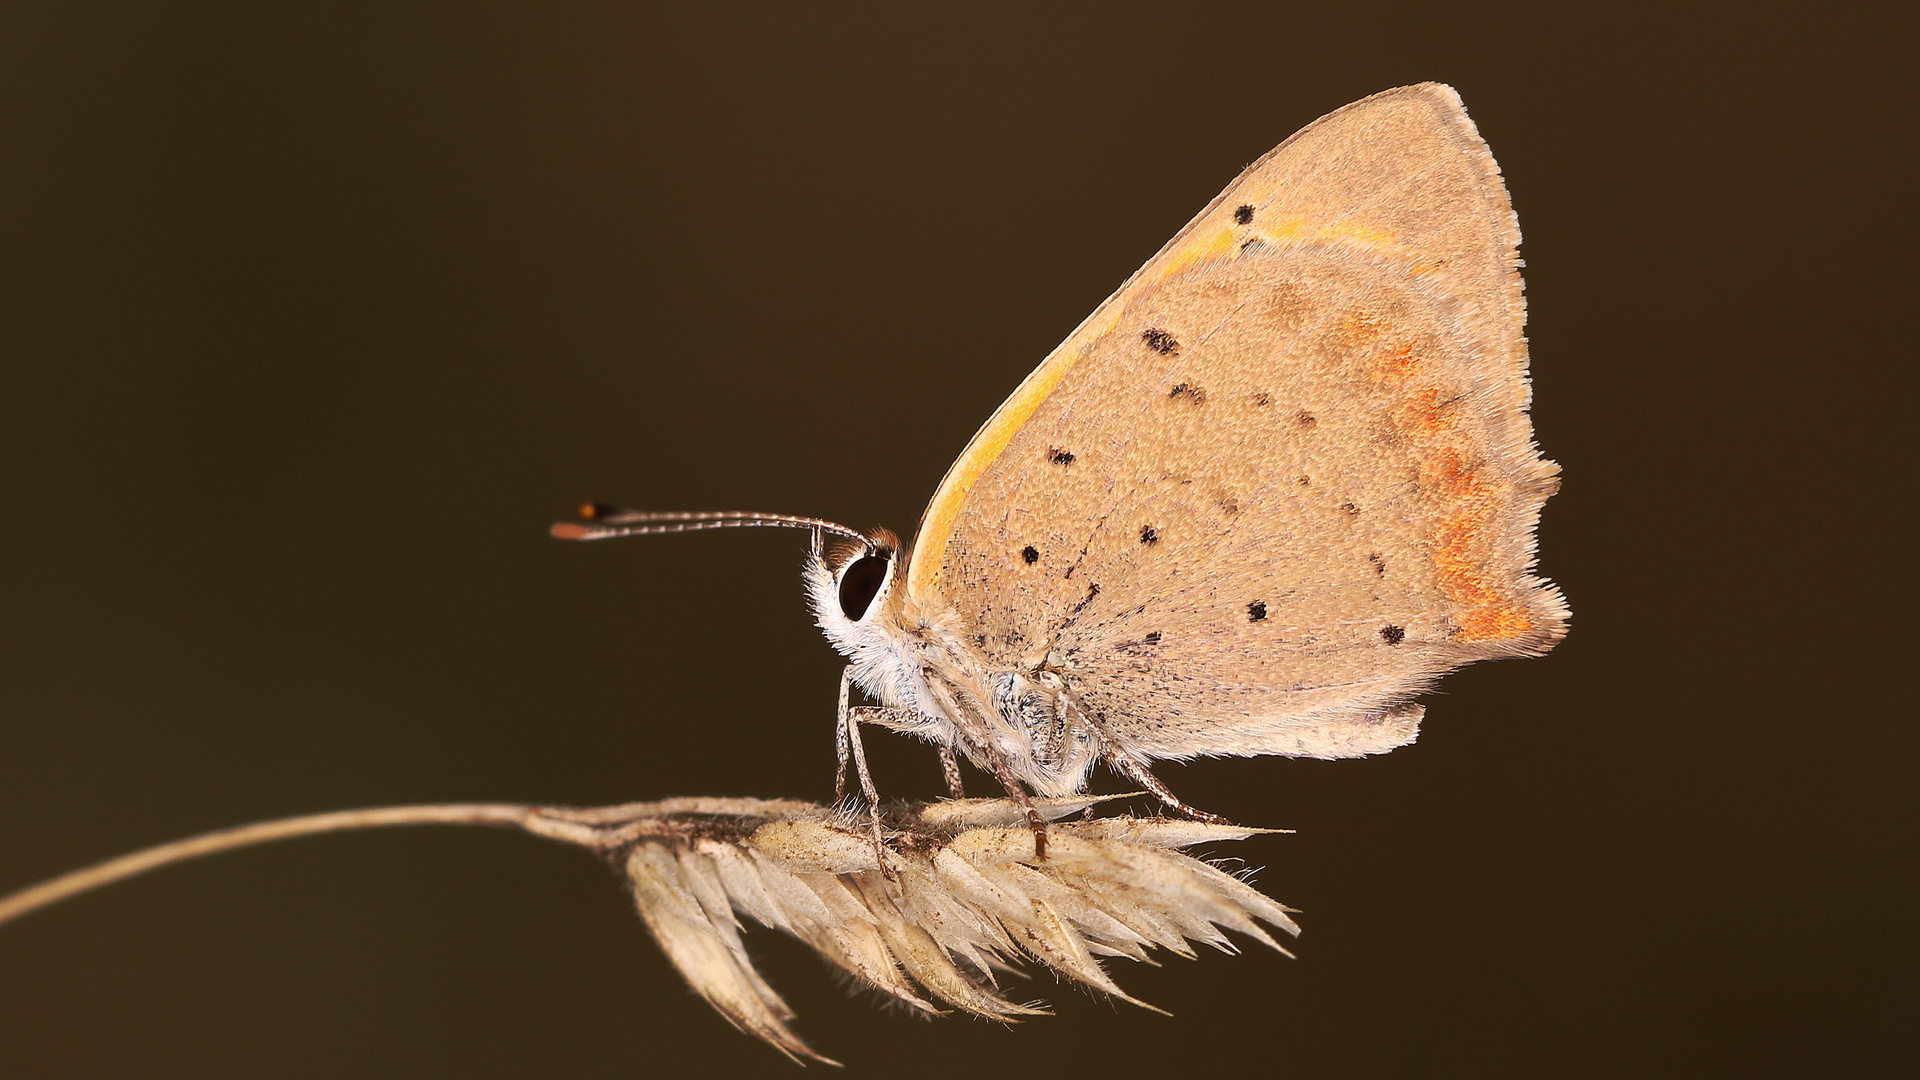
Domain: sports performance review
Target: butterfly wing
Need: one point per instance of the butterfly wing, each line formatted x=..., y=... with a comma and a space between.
x=1284, y=477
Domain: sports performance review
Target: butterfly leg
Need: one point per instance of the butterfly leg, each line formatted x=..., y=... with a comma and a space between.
x=1138, y=772
x=840, y=727
x=950, y=765
x=1018, y=793
x=996, y=762
x=847, y=732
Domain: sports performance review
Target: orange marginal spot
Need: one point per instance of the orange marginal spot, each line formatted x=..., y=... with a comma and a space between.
x=1425, y=414
x=1395, y=364
x=1196, y=249
x=1446, y=474
x=1496, y=622
x=1459, y=554
x=1361, y=327
x=1453, y=554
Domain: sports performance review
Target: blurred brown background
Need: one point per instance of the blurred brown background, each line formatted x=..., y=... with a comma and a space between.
x=316, y=315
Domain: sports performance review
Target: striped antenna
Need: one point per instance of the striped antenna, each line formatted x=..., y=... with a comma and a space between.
x=607, y=521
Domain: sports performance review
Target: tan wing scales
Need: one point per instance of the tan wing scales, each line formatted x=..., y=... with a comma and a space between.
x=1284, y=477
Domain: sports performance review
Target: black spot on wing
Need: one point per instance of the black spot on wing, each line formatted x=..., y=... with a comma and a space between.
x=1379, y=564
x=1306, y=419
x=1092, y=591
x=1243, y=215
x=1393, y=635
x=1145, y=647
x=1030, y=555
x=1257, y=611
x=1059, y=456
x=1159, y=341
x=1189, y=391
x=1149, y=535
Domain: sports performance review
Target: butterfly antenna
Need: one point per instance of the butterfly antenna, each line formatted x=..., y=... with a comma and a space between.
x=604, y=522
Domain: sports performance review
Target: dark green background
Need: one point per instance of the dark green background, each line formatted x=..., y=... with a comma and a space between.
x=316, y=315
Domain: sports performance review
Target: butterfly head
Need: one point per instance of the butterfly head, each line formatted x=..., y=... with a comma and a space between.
x=855, y=590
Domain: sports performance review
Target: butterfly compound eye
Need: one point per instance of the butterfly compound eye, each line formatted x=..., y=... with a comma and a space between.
x=860, y=583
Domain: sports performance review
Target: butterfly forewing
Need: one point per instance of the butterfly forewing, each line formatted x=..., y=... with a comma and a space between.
x=1284, y=477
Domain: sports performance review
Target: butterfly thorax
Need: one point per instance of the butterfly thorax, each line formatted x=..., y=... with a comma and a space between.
x=917, y=660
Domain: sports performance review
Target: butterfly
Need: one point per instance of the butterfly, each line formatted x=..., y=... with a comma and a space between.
x=1262, y=498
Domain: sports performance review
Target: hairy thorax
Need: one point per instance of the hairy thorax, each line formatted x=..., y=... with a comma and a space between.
x=916, y=660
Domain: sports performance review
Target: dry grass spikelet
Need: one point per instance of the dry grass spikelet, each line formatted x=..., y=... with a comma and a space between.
x=948, y=894
x=961, y=896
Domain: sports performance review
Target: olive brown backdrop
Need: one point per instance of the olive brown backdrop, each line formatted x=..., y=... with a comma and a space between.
x=317, y=314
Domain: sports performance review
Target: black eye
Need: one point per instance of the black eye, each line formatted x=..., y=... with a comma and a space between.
x=861, y=583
